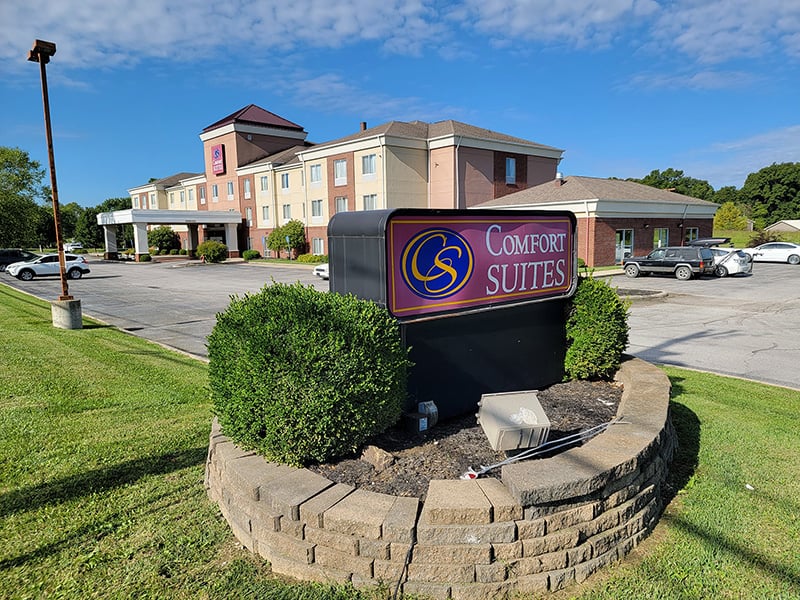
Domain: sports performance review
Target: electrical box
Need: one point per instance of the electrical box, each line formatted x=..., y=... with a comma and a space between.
x=513, y=420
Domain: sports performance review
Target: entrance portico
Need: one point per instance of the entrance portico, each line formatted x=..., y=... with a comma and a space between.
x=192, y=219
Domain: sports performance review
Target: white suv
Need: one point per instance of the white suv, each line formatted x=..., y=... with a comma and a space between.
x=76, y=267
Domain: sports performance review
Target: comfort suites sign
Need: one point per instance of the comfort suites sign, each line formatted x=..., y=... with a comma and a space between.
x=455, y=260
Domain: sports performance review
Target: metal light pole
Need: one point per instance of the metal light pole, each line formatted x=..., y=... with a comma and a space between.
x=41, y=53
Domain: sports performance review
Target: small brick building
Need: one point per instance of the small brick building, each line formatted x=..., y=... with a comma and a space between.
x=617, y=218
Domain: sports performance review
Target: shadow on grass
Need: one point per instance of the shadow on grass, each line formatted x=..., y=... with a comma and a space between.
x=97, y=480
x=687, y=431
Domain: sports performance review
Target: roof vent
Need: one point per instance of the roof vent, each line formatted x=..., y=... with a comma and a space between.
x=559, y=181
x=363, y=125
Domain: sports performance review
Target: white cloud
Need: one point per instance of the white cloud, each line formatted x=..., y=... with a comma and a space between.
x=730, y=162
x=698, y=80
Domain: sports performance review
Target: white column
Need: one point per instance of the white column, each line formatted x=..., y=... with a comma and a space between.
x=110, y=237
x=232, y=240
x=140, y=239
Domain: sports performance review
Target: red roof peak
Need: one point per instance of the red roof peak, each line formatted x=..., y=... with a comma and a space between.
x=254, y=115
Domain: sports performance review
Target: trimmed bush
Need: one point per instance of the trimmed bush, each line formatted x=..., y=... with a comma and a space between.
x=174, y=252
x=145, y=258
x=597, y=331
x=213, y=251
x=183, y=252
x=251, y=254
x=301, y=376
x=314, y=259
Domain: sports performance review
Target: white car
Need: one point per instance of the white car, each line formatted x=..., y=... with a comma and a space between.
x=41, y=266
x=72, y=246
x=731, y=261
x=322, y=271
x=776, y=252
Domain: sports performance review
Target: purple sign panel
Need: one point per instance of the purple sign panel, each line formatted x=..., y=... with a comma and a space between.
x=449, y=263
x=218, y=159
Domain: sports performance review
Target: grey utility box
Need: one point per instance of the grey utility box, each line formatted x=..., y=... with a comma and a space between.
x=513, y=420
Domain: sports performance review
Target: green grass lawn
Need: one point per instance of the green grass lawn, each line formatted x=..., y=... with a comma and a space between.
x=104, y=439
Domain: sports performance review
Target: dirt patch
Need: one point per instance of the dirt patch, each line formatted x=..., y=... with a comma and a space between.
x=449, y=449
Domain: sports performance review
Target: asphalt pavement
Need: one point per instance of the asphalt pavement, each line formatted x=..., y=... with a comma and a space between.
x=746, y=326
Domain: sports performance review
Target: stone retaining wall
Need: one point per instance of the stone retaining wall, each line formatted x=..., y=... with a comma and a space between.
x=548, y=524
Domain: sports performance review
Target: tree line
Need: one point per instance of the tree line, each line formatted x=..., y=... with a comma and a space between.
x=26, y=214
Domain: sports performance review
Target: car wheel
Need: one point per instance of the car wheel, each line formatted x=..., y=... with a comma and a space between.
x=794, y=259
x=75, y=274
x=25, y=275
x=721, y=271
x=632, y=270
x=683, y=273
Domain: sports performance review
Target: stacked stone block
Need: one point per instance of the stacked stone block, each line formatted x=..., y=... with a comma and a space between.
x=548, y=524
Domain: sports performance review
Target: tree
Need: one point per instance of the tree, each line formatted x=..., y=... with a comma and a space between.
x=20, y=189
x=773, y=193
x=672, y=179
x=295, y=231
x=163, y=238
x=730, y=217
x=725, y=194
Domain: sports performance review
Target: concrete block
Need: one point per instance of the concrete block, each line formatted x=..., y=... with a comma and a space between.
x=461, y=554
x=492, y=573
x=284, y=565
x=504, y=506
x=374, y=548
x=287, y=492
x=561, y=579
x=493, y=533
x=456, y=503
x=341, y=561
x=561, y=540
x=361, y=513
x=272, y=543
x=401, y=520
x=439, y=591
x=311, y=511
x=538, y=564
x=532, y=584
x=480, y=591
x=527, y=529
x=295, y=529
x=441, y=573
x=507, y=552
x=347, y=544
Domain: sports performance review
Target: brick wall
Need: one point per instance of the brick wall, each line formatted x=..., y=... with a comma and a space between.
x=545, y=526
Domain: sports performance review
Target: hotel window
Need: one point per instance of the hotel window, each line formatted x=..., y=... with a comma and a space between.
x=202, y=194
x=511, y=170
x=287, y=211
x=152, y=202
x=247, y=188
x=214, y=193
x=230, y=190
x=136, y=202
x=284, y=182
x=341, y=204
x=264, y=183
x=172, y=198
x=660, y=237
x=340, y=172
x=183, y=197
x=249, y=216
x=368, y=164
x=691, y=234
x=317, y=246
x=316, y=174
x=316, y=208
x=265, y=213
x=370, y=202
x=191, y=195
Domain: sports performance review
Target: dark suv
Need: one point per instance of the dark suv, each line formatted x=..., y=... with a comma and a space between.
x=682, y=261
x=12, y=255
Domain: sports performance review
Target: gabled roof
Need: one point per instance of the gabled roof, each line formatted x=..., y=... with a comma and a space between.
x=576, y=189
x=174, y=179
x=784, y=225
x=430, y=131
x=254, y=115
x=284, y=157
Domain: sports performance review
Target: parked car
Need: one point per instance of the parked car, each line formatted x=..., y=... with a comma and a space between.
x=41, y=266
x=684, y=262
x=12, y=255
x=776, y=252
x=72, y=246
x=322, y=271
x=731, y=261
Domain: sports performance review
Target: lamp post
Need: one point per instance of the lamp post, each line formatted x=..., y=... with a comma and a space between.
x=41, y=53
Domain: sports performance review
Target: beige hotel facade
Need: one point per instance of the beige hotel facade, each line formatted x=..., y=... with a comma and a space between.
x=260, y=172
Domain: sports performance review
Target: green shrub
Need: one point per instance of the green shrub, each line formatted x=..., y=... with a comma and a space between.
x=313, y=259
x=163, y=252
x=213, y=251
x=300, y=375
x=597, y=331
x=163, y=238
x=251, y=254
x=145, y=258
x=174, y=252
x=183, y=252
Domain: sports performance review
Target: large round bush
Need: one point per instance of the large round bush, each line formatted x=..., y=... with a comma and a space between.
x=301, y=376
x=597, y=331
x=213, y=251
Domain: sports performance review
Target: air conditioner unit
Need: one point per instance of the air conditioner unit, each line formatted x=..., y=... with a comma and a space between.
x=513, y=420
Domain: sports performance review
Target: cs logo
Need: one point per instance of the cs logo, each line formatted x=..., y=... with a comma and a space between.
x=437, y=263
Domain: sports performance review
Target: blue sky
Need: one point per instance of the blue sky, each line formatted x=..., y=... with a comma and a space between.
x=623, y=86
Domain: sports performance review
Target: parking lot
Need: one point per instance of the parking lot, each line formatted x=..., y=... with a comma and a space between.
x=743, y=326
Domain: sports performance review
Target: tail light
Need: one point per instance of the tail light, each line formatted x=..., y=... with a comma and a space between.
x=702, y=265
